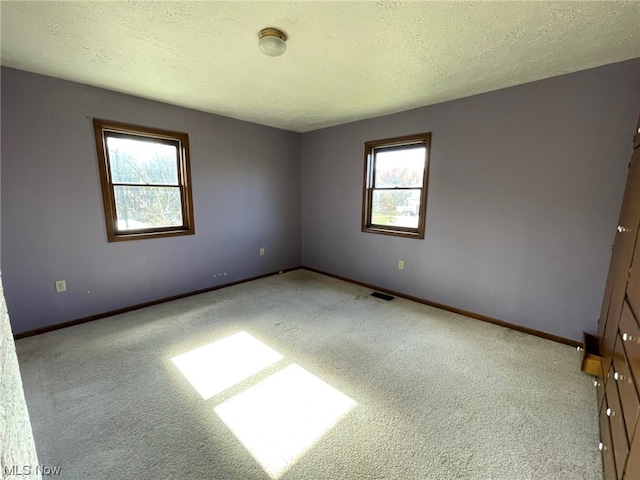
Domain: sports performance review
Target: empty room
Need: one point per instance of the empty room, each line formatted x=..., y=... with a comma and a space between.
x=320, y=240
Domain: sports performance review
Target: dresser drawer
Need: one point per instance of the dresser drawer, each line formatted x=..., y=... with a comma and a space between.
x=599, y=384
x=613, y=410
x=626, y=388
x=632, y=471
x=606, y=446
x=630, y=334
x=633, y=287
x=591, y=359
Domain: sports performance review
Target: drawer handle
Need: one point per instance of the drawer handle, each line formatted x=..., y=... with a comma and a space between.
x=596, y=383
x=622, y=229
x=602, y=447
x=610, y=413
x=618, y=376
x=627, y=338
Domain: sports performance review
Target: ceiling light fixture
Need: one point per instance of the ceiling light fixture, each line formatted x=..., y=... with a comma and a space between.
x=272, y=42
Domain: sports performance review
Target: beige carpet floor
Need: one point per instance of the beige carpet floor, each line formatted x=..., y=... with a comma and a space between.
x=301, y=376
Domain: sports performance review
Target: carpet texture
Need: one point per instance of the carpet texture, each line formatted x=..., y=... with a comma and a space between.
x=302, y=376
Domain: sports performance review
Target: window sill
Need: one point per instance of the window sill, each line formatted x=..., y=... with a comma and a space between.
x=123, y=237
x=394, y=232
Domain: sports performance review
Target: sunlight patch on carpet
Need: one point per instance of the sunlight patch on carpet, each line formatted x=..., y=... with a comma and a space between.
x=213, y=368
x=282, y=417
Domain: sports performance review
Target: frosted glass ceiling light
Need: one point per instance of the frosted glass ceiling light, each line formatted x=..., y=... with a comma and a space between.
x=272, y=42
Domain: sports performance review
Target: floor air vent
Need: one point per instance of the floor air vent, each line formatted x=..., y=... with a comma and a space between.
x=382, y=296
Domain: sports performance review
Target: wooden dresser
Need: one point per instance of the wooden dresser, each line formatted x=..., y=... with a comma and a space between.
x=618, y=384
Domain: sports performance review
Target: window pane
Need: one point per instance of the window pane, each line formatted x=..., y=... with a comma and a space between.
x=399, y=168
x=144, y=162
x=398, y=208
x=147, y=207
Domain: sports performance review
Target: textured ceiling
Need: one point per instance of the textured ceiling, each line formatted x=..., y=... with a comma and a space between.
x=345, y=61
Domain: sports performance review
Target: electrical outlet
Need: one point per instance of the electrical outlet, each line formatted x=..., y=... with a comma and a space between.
x=61, y=286
x=401, y=265
x=262, y=251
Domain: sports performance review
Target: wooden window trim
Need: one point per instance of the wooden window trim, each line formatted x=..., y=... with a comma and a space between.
x=103, y=127
x=367, y=185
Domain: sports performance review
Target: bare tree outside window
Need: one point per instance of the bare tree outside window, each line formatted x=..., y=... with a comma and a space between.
x=135, y=165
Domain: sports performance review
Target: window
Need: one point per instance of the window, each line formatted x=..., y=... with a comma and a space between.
x=395, y=185
x=146, y=181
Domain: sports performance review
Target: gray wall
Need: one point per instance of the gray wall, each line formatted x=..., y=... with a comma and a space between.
x=246, y=194
x=16, y=436
x=524, y=191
